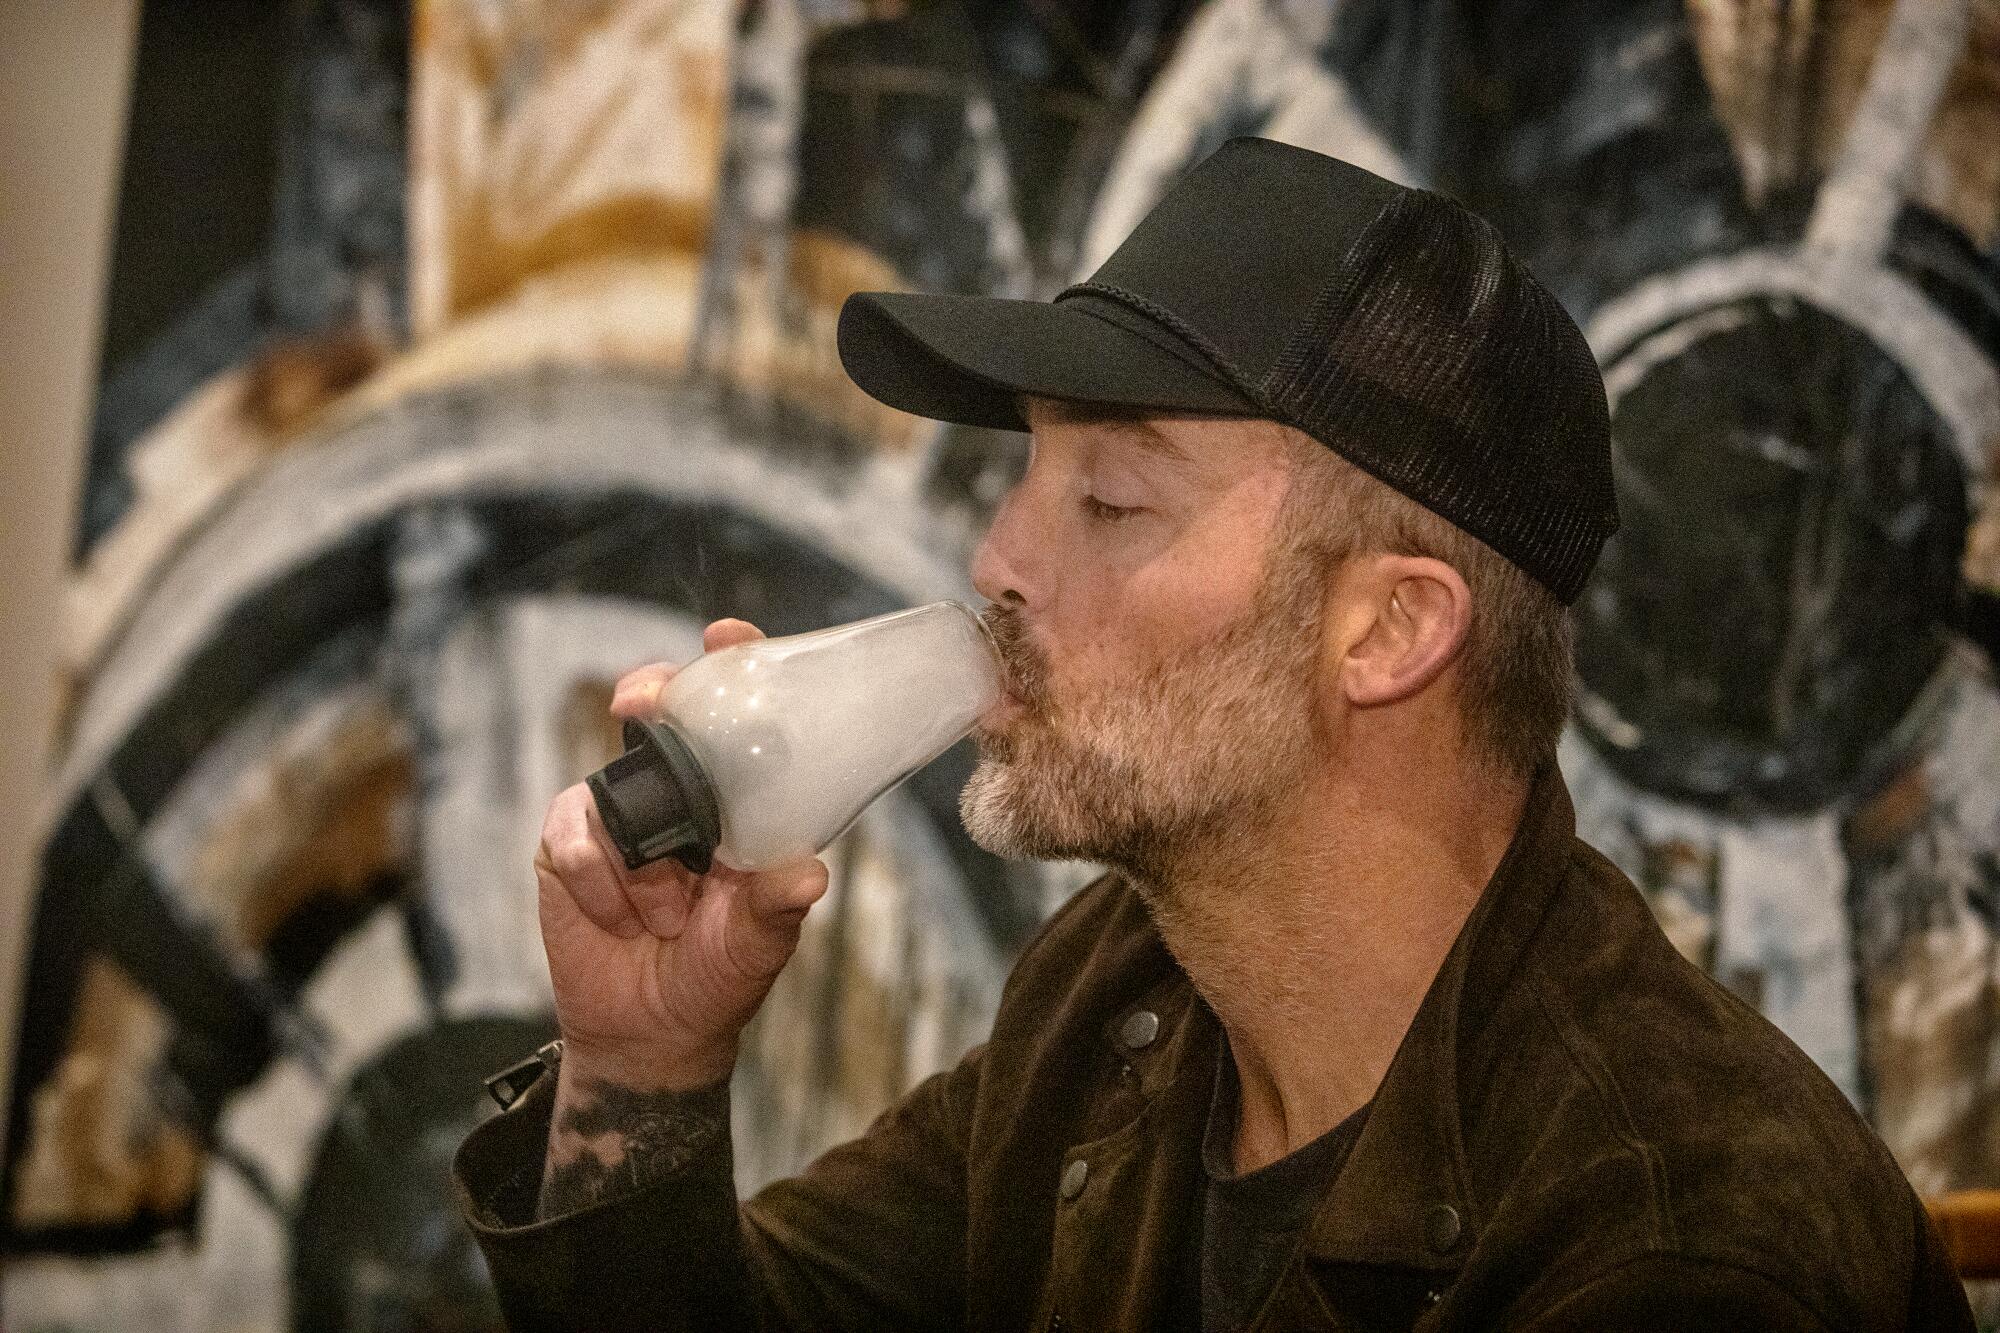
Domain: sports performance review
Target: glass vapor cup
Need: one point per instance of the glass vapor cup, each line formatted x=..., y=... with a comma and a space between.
x=768, y=750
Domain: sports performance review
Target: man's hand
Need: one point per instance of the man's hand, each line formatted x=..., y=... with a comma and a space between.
x=656, y=971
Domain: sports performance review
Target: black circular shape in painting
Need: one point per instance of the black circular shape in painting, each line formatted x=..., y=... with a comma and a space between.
x=1794, y=516
x=377, y=1240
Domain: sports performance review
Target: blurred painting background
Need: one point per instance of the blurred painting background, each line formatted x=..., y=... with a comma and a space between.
x=459, y=355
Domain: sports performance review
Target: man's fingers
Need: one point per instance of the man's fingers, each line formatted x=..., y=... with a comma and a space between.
x=637, y=693
x=728, y=633
x=571, y=855
x=661, y=892
x=789, y=889
x=764, y=913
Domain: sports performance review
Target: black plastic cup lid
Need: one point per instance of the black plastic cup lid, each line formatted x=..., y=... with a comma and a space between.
x=655, y=800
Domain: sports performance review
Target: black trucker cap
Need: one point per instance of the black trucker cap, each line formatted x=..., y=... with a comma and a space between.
x=1389, y=323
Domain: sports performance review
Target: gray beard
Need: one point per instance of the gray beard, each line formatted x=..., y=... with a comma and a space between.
x=1156, y=775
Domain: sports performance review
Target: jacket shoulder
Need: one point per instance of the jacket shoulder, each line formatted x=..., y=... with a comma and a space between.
x=1645, y=1095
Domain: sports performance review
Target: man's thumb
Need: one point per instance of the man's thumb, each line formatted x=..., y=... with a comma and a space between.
x=787, y=890
x=766, y=910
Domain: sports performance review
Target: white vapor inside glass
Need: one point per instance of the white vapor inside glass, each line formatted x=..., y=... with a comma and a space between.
x=798, y=735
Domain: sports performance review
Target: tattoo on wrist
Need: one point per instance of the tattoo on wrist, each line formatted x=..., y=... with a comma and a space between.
x=609, y=1139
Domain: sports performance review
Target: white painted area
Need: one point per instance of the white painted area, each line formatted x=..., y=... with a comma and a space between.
x=1951, y=981
x=758, y=179
x=1668, y=344
x=245, y=771
x=990, y=198
x=1964, y=760
x=476, y=882
x=531, y=437
x=241, y=1260
x=555, y=642
x=156, y=1292
x=769, y=65
x=1612, y=815
x=232, y=1276
x=1855, y=212
x=365, y=996
x=1934, y=1007
x=1948, y=369
x=596, y=103
x=1782, y=909
x=1235, y=56
x=1781, y=899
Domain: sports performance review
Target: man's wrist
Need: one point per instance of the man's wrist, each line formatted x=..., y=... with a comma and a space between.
x=652, y=1067
x=608, y=1138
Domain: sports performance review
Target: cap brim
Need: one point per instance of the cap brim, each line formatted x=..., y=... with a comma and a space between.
x=968, y=359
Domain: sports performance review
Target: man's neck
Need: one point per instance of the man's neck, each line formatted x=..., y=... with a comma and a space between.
x=1315, y=937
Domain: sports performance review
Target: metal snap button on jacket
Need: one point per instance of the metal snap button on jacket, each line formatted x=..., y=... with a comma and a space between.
x=1442, y=1227
x=1073, y=1177
x=1139, y=1029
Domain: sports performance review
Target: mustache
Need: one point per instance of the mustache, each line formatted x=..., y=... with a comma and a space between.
x=1026, y=670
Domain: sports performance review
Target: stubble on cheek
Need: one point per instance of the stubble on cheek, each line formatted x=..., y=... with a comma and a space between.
x=1111, y=774
x=1034, y=794
x=1139, y=773
x=1022, y=799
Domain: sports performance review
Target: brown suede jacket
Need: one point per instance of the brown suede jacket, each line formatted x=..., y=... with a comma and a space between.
x=1580, y=1131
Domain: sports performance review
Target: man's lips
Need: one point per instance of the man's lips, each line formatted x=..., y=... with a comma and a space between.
x=1004, y=710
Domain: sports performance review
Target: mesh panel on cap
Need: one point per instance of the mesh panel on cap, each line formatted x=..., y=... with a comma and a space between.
x=1435, y=362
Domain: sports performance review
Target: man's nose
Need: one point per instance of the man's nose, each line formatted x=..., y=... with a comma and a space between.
x=1005, y=568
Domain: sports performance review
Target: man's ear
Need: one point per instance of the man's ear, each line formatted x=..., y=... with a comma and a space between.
x=1404, y=619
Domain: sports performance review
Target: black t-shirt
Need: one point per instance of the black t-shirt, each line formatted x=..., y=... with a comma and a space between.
x=1251, y=1223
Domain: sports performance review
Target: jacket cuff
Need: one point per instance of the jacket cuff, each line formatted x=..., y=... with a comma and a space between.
x=622, y=1263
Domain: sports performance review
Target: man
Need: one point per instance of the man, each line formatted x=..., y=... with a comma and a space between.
x=1355, y=1034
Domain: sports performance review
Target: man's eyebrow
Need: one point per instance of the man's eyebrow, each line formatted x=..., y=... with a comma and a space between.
x=1126, y=423
x=1147, y=438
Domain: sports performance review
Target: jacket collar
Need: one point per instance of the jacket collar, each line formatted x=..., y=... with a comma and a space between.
x=1402, y=1198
